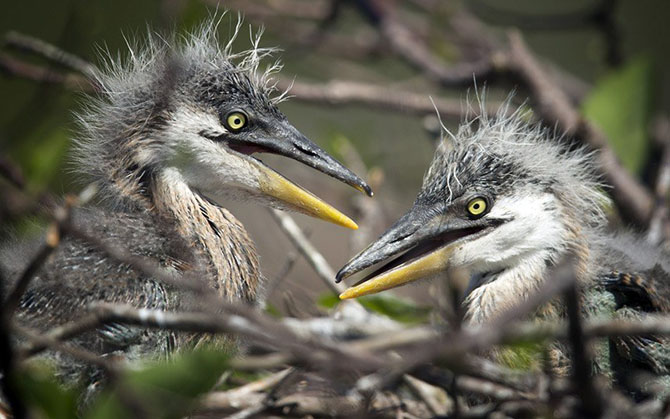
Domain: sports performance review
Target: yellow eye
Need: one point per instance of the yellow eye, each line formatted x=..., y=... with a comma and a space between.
x=477, y=207
x=236, y=120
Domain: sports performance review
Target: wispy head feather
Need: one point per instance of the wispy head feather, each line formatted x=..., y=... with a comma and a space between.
x=146, y=57
x=507, y=152
x=120, y=128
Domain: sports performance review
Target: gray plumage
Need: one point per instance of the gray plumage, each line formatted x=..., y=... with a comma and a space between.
x=541, y=202
x=168, y=140
x=78, y=275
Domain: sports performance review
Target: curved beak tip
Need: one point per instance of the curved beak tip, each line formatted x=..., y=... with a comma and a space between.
x=346, y=295
x=339, y=277
x=348, y=222
x=366, y=189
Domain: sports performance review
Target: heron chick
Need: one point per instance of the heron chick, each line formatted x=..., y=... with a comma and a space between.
x=169, y=139
x=504, y=202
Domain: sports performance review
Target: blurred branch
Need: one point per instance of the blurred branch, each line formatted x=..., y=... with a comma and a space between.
x=244, y=397
x=14, y=67
x=367, y=211
x=8, y=365
x=353, y=341
x=552, y=103
x=600, y=13
x=364, y=354
x=316, y=260
x=55, y=232
x=659, y=226
x=62, y=333
x=581, y=358
x=110, y=365
x=452, y=347
x=309, y=37
x=279, y=9
x=436, y=399
x=554, y=107
x=238, y=320
x=54, y=54
x=340, y=92
x=11, y=172
x=406, y=45
x=17, y=200
x=38, y=339
x=291, y=259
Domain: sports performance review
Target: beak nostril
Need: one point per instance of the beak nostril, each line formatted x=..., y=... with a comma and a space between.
x=401, y=238
x=306, y=150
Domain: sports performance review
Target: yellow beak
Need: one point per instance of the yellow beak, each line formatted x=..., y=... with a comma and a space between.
x=424, y=267
x=277, y=186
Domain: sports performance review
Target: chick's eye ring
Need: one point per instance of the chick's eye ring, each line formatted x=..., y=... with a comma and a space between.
x=477, y=207
x=236, y=120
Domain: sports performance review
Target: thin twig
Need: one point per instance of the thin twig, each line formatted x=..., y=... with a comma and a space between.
x=658, y=226
x=435, y=398
x=19, y=68
x=54, y=235
x=291, y=259
x=345, y=92
x=367, y=211
x=581, y=359
x=452, y=347
x=553, y=105
x=8, y=366
x=316, y=260
x=40, y=48
x=63, y=333
x=11, y=172
x=251, y=324
x=405, y=44
x=76, y=352
x=264, y=329
x=240, y=396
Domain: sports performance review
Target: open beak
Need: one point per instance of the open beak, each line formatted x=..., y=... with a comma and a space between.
x=289, y=142
x=424, y=246
x=301, y=200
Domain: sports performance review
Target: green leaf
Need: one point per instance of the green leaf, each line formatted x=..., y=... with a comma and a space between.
x=42, y=167
x=46, y=395
x=272, y=310
x=108, y=406
x=328, y=300
x=523, y=356
x=164, y=390
x=620, y=105
x=398, y=309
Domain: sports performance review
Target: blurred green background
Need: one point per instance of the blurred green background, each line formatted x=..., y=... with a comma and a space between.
x=625, y=95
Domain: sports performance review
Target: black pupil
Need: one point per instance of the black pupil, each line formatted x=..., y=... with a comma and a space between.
x=476, y=206
x=237, y=121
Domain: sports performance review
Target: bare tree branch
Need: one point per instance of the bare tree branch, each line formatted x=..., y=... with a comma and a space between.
x=340, y=92
x=40, y=48
x=633, y=199
x=8, y=366
x=659, y=226
x=14, y=67
x=324, y=271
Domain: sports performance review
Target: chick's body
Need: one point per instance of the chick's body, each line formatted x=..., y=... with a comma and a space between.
x=168, y=141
